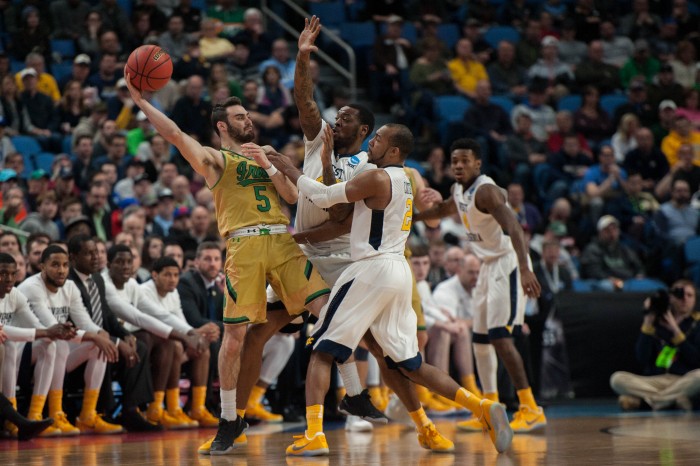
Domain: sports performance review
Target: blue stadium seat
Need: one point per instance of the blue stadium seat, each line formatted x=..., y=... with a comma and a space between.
x=610, y=102
x=67, y=145
x=504, y=102
x=330, y=13
x=569, y=102
x=643, y=284
x=64, y=47
x=26, y=145
x=495, y=34
x=449, y=109
x=16, y=66
x=582, y=286
x=449, y=33
x=61, y=70
x=692, y=258
x=44, y=160
x=358, y=34
x=126, y=6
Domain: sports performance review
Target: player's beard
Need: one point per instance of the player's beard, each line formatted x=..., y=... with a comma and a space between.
x=55, y=283
x=240, y=136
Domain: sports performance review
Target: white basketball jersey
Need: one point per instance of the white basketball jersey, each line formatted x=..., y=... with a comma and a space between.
x=308, y=214
x=376, y=232
x=484, y=233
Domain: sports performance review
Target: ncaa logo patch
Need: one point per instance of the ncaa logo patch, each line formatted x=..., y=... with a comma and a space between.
x=354, y=160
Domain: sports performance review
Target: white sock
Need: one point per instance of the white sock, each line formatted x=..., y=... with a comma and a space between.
x=228, y=404
x=372, y=371
x=486, y=366
x=351, y=379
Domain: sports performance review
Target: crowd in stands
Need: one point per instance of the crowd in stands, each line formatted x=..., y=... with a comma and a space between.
x=587, y=111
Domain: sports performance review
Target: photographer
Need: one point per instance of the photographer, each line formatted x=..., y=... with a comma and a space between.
x=669, y=349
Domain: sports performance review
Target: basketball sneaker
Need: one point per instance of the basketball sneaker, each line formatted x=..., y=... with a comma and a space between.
x=183, y=418
x=430, y=439
x=204, y=417
x=397, y=412
x=362, y=407
x=97, y=425
x=258, y=411
x=240, y=441
x=356, y=424
x=304, y=446
x=226, y=436
x=60, y=422
x=527, y=419
x=470, y=425
x=494, y=420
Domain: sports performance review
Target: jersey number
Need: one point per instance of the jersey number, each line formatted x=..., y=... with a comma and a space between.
x=408, y=216
x=264, y=205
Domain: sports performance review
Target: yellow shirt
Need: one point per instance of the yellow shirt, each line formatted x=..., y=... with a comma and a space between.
x=215, y=47
x=245, y=196
x=671, y=143
x=46, y=84
x=466, y=74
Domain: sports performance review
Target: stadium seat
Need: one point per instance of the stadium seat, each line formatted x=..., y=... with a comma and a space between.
x=449, y=109
x=610, y=102
x=449, y=33
x=126, y=6
x=64, y=47
x=582, y=286
x=569, y=102
x=358, y=34
x=408, y=32
x=331, y=14
x=26, y=145
x=504, y=102
x=61, y=70
x=692, y=258
x=44, y=160
x=643, y=284
x=495, y=34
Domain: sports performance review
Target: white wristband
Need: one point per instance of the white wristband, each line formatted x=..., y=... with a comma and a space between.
x=271, y=171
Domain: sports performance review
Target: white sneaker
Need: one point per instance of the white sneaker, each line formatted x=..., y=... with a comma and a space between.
x=396, y=411
x=355, y=424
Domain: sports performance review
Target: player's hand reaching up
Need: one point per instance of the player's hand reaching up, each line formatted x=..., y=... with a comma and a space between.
x=135, y=93
x=327, y=151
x=530, y=284
x=430, y=196
x=312, y=27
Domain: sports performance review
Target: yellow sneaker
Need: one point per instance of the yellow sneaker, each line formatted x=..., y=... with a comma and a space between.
x=60, y=421
x=430, y=439
x=11, y=429
x=434, y=407
x=204, y=417
x=495, y=422
x=154, y=415
x=183, y=419
x=258, y=411
x=98, y=426
x=170, y=422
x=240, y=441
x=304, y=446
x=470, y=425
x=526, y=419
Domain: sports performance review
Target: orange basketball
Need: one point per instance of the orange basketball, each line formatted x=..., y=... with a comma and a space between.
x=149, y=67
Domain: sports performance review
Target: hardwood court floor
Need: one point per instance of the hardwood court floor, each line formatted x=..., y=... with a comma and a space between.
x=585, y=435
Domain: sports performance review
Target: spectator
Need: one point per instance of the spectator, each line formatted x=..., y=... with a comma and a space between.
x=109, y=43
x=42, y=219
x=143, y=131
x=591, y=121
x=272, y=93
x=106, y=77
x=667, y=347
x=43, y=118
x=676, y=219
x=586, y=17
x=282, y=59
x=192, y=15
x=506, y=76
x=33, y=36
x=690, y=107
x=606, y=261
x=616, y=48
x=646, y=159
x=116, y=154
x=641, y=63
x=201, y=222
x=603, y=181
x=192, y=63
x=108, y=128
x=67, y=17
x=666, y=117
x=625, y=138
x=156, y=17
x=12, y=204
x=557, y=232
x=228, y=13
x=6, y=146
x=240, y=65
x=175, y=39
x=524, y=150
x=571, y=51
x=64, y=185
x=89, y=41
x=165, y=213
x=191, y=112
x=429, y=27
x=218, y=75
x=465, y=70
x=640, y=23
x=114, y=18
x=638, y=104
x=527, y=214
x=664, y=44
x=552, y=276
x=95, y=208
x=437, y=175
x=436, y=253
x=37, y=185
x=565, y=126
x=393, y=56
x=181, y=192
x=213, y=47
x=665, y=87
x=46, y=83
x=543, y=116
x=472, y=30
x=11, y=107
x=555, y=74
x=166, y=176
x=254, y=36
x=595, y=72
x=71, y=107
x=527, y=49
x=563, y=172
x=154, y=152
x=681, y=134
x=684, y=64
x=341, y=98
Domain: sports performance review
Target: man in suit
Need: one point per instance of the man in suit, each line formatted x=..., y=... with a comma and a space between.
x=133, y=368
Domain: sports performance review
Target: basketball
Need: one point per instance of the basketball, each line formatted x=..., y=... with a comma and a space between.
x=149, y=67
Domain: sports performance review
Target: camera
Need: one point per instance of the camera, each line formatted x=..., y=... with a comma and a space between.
x=659, y=301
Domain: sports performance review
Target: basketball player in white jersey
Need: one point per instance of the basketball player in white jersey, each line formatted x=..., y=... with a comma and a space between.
x=373, y=292
x=506, y=277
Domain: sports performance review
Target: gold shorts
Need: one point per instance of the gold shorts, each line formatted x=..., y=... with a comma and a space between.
x=252, y=261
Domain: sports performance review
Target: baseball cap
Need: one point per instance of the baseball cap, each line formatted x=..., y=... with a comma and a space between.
x=164, y=193
x=668, y=103
x=549, y=41
x=182, y=211
x=121, y=83
x=149, y=200
x=637, y=85
x=77, y=220
x=605, y=221
x=27, y=72
x=7, y=174
x=38, y=174
x=141, y=116
x=82, y=59
x=127, y=201
x=394, y=19
x=641, y=45
x=473, y=22
x=65, y=174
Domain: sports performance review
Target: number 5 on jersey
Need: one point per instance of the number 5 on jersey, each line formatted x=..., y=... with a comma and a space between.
x=408, y=216
x=264, y=206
